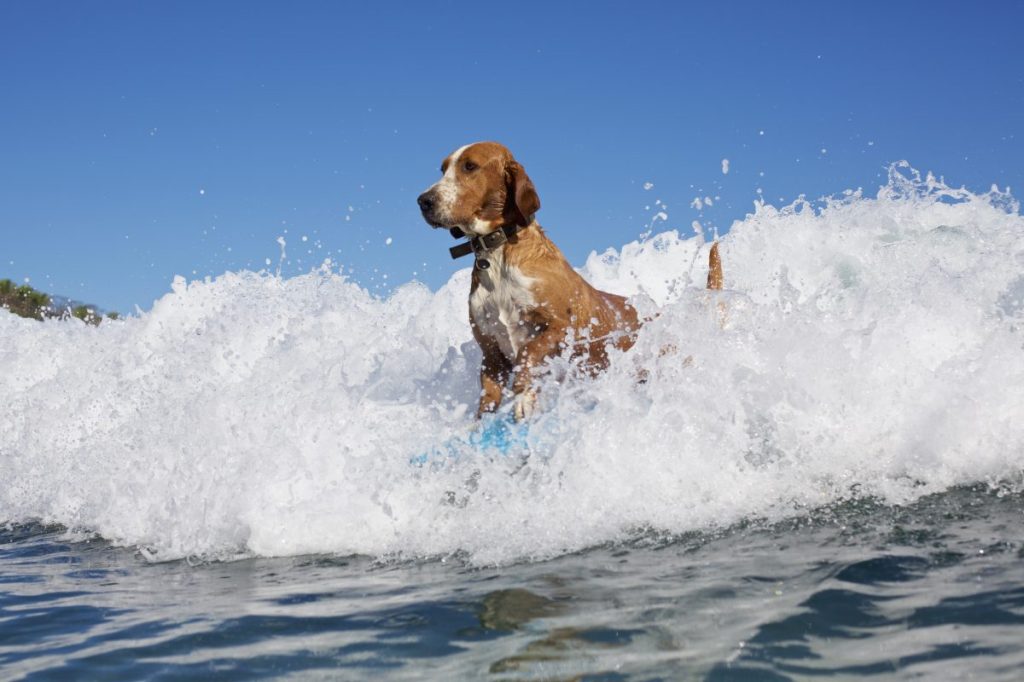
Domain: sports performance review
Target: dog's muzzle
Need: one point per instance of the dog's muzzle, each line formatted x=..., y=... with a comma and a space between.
x=428, y=207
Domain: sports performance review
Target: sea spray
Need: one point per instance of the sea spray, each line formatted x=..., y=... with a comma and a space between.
x=864, y=346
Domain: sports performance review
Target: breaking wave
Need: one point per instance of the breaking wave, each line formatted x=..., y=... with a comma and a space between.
x=865, y=346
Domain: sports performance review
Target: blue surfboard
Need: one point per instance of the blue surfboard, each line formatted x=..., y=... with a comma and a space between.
x=496, y=434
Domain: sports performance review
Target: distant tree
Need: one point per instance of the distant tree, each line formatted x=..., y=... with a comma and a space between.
x=86, y=314
x=24, y=300
x=27, y=302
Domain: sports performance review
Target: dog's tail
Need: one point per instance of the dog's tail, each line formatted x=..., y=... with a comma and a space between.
x=714, y=268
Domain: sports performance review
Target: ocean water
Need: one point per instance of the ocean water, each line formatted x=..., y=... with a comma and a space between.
x=821, y=474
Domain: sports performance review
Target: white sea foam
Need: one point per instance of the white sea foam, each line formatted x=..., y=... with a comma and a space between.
x=869, y=344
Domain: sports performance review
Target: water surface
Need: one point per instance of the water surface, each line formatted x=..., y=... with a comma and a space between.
x=798, y=489
x=933, y=590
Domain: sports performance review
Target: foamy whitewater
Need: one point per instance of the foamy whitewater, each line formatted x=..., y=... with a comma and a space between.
x=864, y=347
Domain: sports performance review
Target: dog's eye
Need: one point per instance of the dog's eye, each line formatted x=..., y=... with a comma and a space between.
x=469, y=166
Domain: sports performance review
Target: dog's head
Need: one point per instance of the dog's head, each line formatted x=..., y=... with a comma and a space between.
x=481, y=188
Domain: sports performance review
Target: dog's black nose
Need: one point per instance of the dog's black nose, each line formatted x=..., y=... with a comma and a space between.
x=426, y=201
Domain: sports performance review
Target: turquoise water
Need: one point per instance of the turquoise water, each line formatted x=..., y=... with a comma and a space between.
x=934, y=590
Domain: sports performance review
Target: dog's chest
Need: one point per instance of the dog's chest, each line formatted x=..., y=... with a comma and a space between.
x=498, y=305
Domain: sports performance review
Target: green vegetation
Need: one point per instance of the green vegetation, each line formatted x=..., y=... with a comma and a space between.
x=25, y=301
x=86, y=314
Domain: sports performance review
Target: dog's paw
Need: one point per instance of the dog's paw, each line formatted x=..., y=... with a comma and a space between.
x=524, y=405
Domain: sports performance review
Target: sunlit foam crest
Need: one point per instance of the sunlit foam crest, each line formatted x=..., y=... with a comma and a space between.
x=864, y=346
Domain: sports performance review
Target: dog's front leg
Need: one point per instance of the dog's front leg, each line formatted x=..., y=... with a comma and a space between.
x=494, y=372
x=531, y=356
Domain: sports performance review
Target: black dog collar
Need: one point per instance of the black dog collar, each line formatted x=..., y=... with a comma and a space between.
x=484, y=244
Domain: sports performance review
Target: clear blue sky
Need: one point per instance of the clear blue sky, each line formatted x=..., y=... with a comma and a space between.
x=139, y=140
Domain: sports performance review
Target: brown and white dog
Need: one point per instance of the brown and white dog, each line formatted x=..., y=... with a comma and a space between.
x=526, y=304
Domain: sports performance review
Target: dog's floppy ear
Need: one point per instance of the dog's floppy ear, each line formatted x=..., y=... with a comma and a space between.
x=522, y=201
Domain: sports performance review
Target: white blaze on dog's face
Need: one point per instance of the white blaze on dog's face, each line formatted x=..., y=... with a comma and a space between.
x=481, y=188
